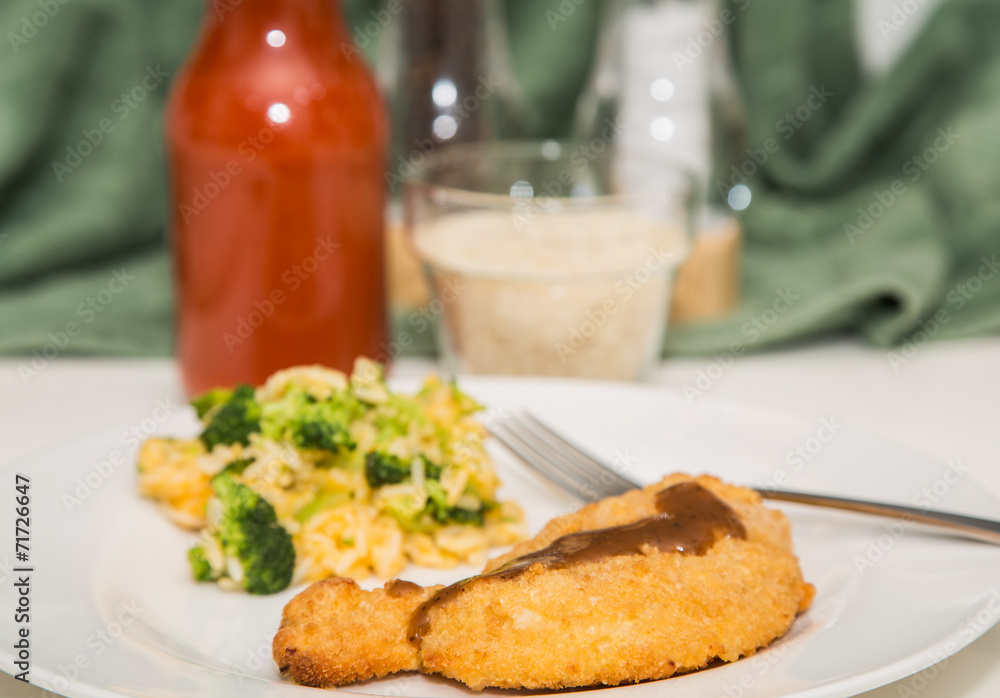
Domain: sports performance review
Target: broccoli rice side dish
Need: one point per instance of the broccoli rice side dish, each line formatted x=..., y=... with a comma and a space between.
x=318, y=474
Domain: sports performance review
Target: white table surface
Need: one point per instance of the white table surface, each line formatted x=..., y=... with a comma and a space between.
x=945, y=402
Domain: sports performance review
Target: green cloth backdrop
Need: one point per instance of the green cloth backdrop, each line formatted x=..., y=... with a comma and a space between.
x=84, y=268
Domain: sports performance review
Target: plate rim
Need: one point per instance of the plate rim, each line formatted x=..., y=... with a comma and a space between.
x=867, y=680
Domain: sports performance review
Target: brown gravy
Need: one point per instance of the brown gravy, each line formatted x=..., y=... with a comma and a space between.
x=690, y=520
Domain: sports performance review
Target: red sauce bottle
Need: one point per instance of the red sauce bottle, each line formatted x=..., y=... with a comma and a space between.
x=276, y=136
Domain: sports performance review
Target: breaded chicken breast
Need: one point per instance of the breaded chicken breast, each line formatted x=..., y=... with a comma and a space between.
x=637, y=587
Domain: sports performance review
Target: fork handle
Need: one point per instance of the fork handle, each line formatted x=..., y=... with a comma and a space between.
x=968, y=526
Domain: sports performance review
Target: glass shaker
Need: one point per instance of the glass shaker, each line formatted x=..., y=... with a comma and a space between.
x=663, y=83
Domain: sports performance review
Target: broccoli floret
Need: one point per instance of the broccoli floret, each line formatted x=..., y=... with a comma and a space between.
x=249, y=533
x=439, y=509
x=432, y=471
x=200, y=568
x=234, y=420
x=238, y=466
x=208, y=401
x=315, y=433
x=408, y=510
x=384, y=469
x=323, y=501
x=426, y=511
x=458, y=515
x=300, y=419
x=396, y=417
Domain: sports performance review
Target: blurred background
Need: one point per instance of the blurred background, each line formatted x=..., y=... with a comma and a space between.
x=851, y=145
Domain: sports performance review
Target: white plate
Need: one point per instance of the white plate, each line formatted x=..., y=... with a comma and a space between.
x=114, y=613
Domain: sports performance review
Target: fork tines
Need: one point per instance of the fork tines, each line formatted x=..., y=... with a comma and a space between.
x=564, y=463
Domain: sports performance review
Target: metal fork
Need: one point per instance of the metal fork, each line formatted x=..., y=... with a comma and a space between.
x=581, y=474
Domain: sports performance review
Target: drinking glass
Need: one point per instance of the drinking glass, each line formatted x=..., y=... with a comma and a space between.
x=550, y=258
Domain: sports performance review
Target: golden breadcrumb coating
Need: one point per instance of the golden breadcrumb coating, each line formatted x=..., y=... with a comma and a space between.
x=335, y=632
x=612, y=620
